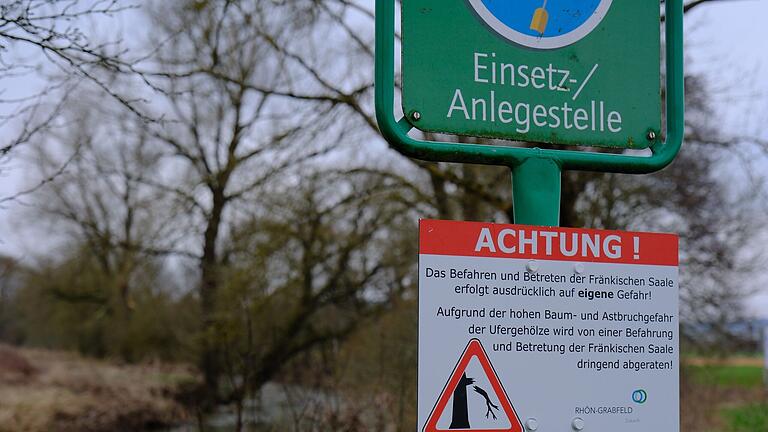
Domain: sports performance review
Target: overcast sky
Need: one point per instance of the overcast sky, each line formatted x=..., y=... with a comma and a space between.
x=725, y=41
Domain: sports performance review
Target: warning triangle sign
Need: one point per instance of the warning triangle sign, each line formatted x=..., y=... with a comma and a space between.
x=456, y=388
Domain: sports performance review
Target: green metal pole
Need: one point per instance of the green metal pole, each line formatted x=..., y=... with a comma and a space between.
x=536, y=192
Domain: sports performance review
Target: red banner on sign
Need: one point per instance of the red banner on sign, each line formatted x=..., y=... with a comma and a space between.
x=438, y=237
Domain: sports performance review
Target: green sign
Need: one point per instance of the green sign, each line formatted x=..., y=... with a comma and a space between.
x=600, y=57
x=575, y=72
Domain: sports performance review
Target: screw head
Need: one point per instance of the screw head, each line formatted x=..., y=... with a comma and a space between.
x=651, y=136
x=578, y=268
x=578, y=424
x=416, y=115
x=531, y=424
x=532, y=266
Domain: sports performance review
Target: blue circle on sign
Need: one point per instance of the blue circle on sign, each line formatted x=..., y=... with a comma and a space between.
x=639, y=396
x=544, y=24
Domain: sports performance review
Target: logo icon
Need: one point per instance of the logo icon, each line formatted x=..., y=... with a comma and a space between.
x=542, y=24
x=639, y=396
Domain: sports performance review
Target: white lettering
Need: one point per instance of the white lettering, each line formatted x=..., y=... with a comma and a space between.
x=485, y=241
x=612, y=246
x=457, y=97
x=479, y=67
x=502, y=235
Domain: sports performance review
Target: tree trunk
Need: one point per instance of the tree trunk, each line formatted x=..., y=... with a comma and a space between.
x=209, y=274
x=470, y=203
x=441, y=196
x=460, y=415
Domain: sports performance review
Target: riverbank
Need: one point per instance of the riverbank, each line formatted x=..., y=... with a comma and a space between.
x=42, y=390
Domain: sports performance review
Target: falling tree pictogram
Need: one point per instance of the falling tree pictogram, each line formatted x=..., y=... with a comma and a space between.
x=460, y=412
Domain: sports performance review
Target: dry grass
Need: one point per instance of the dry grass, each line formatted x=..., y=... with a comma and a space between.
x=53, y=391
x=728, y=361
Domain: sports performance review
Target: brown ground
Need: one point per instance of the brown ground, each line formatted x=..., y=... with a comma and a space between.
x=729, y=361
x=44, y=390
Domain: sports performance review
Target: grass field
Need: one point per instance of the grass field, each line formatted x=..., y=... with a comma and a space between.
x=748, y=418
x=724, y=395
x=729, y=375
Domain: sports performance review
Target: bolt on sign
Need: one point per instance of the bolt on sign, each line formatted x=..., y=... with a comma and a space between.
x=549, y=329
x=575, y=72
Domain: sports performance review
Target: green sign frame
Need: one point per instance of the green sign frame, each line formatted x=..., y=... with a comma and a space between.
x=536, y=172
x=597, y=84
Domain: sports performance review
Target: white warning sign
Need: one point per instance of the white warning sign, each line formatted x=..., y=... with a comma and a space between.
x=547, y=329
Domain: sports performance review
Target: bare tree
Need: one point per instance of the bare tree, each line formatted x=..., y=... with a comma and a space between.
x=306, y=270
x=225, y=140
x=51, y=40
x=100, y=201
